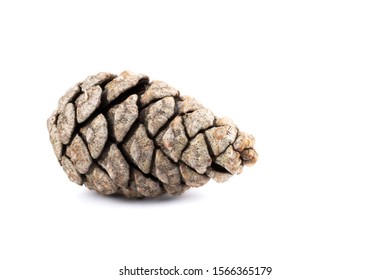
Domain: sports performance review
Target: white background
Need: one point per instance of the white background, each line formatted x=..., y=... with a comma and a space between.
x=309, y=79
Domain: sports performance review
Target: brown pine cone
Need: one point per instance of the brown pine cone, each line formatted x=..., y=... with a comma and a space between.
x=124, y=134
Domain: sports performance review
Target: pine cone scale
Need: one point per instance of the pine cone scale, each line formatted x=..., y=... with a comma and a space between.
x=139, y=149
x=78, y=153
x=95, y=134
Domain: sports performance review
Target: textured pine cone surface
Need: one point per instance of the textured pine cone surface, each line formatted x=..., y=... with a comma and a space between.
x=123, y=134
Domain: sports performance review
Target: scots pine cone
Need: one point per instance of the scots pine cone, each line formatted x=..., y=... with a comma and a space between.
x=123, y=134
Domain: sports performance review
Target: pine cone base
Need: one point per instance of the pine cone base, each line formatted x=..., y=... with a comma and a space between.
x=123, y=134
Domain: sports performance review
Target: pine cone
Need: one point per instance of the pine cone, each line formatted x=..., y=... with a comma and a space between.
x=123, y=134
